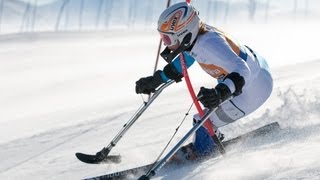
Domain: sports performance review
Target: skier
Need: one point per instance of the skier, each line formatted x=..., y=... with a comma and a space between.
x=241, y=73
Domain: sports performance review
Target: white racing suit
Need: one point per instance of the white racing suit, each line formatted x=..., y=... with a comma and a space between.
x=218, y=55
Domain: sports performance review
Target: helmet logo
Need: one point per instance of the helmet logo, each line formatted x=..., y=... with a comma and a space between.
x=182, y=32
x=173, y=23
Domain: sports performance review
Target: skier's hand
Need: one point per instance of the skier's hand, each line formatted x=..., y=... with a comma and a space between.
x=212, y=98
x=209, y=97
x=149, y=84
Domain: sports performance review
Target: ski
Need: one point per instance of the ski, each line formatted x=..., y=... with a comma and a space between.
x=138, y=171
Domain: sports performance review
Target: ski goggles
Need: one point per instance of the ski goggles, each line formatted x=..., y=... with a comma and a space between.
x=168, y=39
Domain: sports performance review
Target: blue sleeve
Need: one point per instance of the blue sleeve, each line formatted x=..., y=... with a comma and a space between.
x=177, y=64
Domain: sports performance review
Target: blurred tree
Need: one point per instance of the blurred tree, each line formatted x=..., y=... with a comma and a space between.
x=1, y=10
x=132, y=13
x=226, y=14
x=34, y=15
x=81, y=14
x=62, y=9
x=212, y=10
x=100, y=5
x=108, y=10
x=295, y=7
x=266, y=15
x=306, y=9
x=252, y=9
x=149, y=12
x=25, y=17
x=67, y=13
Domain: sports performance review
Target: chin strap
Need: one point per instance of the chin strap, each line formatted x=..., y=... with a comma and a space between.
x=169, y=55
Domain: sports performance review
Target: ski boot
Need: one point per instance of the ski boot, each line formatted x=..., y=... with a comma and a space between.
x=202, y=147
x=184, y=154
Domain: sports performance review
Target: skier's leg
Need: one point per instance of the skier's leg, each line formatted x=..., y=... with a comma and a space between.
x=240, y=106
x=232, y=111
x=244, y=104
x=202, y=146
x=203, y=142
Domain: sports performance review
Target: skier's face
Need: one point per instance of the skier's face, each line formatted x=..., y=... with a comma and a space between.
x=169, y=41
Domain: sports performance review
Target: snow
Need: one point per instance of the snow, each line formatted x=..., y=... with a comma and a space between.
x=70, y=92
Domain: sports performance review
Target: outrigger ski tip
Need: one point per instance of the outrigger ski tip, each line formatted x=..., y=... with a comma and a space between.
x=95, y=159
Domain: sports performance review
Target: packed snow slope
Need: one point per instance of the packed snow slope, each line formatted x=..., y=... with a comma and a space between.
x=63, y=93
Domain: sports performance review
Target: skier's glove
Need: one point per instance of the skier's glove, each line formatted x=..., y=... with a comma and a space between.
x=149, y=84
x=212, y=98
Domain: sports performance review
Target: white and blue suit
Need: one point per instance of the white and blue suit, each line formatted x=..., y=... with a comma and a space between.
x=218, y=55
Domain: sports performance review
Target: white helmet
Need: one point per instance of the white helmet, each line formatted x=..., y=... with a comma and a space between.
x=178, y=21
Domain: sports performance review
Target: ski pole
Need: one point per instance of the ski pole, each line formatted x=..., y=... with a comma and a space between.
x=102, y=155
x=208, y=125
x=135, y=117
x=162, y=162
x=159, y=46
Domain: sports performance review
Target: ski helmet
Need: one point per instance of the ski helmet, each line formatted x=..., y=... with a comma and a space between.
x=178, y=21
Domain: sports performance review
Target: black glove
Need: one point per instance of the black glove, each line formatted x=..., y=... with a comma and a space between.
x=149, y=84
x=211, y=98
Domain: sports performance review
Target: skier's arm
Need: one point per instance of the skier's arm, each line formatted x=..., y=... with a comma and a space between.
x=221, y=54
x=173, y=70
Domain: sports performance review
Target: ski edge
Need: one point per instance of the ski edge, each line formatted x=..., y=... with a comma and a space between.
x=122, y=174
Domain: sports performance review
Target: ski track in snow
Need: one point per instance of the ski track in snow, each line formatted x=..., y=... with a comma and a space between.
x=46, y=139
